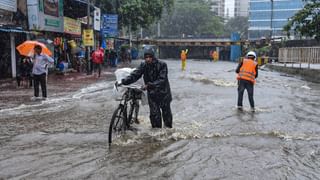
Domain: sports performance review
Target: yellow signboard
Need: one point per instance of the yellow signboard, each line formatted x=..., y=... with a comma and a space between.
x=87, y=37
x=72, y=26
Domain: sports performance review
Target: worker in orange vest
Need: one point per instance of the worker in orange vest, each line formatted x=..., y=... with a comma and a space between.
x=215, y=56
x=183, y=57
x=247, y=72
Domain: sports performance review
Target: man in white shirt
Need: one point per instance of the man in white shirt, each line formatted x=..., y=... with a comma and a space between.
x=39, y=71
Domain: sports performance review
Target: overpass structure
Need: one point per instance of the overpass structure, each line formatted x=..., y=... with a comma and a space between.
x=192, y=42
x=199, y=48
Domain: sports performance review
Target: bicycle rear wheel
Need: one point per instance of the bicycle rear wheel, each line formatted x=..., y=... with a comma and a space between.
x=117, y=124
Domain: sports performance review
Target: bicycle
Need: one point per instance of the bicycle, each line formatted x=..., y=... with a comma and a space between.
x=122, y=118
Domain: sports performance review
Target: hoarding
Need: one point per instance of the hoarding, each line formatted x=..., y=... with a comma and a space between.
x=87, y=37
x=71, y=26
x=110, y=25
x=9, y=5
x=45, y=15
x=51, y=7
x=97, y=19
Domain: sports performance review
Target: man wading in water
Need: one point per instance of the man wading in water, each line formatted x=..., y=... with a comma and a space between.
x=155, y=76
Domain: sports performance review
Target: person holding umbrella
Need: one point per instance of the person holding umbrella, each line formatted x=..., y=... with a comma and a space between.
x=39, y=71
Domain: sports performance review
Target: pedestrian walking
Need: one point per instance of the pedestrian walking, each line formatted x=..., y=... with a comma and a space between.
x=113, y=57
x=155, y=76
x=247, y=72
x=97, y=60
x=39, y=71
x=183, y=57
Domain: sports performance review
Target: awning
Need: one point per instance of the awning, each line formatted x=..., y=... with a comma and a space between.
x=14, y=30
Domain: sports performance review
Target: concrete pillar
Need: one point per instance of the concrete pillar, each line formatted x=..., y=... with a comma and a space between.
x=13, y=56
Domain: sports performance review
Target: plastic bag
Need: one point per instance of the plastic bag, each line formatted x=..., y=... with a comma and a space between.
x=118, y=92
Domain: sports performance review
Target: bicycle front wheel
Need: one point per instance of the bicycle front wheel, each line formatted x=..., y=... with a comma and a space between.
x=117, y=124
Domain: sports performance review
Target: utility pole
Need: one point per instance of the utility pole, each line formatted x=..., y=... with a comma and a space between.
x=159, y=30
x=88, y=47
x=271, y=20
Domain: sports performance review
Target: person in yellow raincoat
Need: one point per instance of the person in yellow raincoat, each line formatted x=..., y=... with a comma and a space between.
x=183, y=57
x=215, y=56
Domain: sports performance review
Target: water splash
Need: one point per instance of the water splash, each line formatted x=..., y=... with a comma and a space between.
x=207, y=80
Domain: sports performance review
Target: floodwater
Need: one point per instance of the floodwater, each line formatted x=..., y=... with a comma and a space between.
x=66, y=137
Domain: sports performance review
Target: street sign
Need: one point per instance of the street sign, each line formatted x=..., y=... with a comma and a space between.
x=87, y=37
x=110, y=25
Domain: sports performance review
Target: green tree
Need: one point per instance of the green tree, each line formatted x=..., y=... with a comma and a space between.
x=107, y=6
x=306, y=22
x=191, y=18
x=237, y=24
x=135, y=13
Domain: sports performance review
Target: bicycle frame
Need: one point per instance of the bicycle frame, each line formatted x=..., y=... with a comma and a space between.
x=131, y=97
x=122, y=118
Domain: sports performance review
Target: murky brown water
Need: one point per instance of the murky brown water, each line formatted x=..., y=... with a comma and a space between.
x=66, y=137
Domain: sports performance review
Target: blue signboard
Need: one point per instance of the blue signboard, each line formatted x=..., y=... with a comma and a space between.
x=109, y=25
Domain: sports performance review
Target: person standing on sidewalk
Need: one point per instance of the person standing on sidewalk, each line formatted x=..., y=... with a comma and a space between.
x=97, y=59
x=183, y=57
x=247, y=72
x=39, y=71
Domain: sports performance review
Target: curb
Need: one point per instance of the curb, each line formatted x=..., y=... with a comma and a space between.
x=312, y=75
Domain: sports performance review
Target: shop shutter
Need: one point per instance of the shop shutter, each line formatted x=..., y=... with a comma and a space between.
x=9, y=5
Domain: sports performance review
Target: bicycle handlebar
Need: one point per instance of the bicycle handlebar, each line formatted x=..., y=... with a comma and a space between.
x=131, y=86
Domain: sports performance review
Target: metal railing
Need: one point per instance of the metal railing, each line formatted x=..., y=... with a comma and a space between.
x=299, y=55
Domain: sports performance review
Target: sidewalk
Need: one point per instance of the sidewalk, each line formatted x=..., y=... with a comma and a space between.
x=296, y=65
x=310, y=74
x=58, y=85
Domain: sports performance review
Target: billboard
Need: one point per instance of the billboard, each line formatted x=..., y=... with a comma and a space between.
x=97, y=19
x=109, y=25
x=9, y=5
x=45, y=15
x=71, y=26
x=87, y=37
x=51, y=7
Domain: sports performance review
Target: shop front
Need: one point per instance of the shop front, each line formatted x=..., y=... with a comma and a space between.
x=13, y=23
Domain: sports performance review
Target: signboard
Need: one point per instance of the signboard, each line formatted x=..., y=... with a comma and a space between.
x=51, y=7
x=9, y=5
x=87, y=37
x=71, y=26
x=110, y=25
x=33, y=14
x=97, y=19
x=45, y=15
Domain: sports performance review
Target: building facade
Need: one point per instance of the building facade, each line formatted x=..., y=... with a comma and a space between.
x=241, y=8
x=217, y=7
x=236, y=8
x=56, y=23
x=268, y=17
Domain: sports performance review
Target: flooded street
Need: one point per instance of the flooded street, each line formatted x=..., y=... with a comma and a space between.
x=66, y=137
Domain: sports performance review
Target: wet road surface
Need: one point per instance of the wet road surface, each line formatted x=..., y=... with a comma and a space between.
x=66, y=137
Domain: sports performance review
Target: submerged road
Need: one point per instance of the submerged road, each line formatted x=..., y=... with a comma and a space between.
x=66, y=137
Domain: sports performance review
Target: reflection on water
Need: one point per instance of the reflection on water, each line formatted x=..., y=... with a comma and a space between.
x=66, y=137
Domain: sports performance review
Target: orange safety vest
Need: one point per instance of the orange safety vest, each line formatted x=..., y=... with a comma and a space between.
x=248, y=71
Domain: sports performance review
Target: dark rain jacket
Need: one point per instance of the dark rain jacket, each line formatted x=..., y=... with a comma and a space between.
x=155, y=75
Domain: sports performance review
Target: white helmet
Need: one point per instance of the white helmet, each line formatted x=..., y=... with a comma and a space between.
x=251, y=53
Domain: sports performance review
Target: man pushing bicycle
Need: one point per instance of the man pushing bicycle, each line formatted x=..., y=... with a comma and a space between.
x=155, y=76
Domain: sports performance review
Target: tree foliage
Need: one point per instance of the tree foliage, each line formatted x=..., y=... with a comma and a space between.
x=237, y=24
x=136, y=13
x=306, y=22
x=191, y=18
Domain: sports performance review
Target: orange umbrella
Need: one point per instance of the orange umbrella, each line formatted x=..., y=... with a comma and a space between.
x=26, y=48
